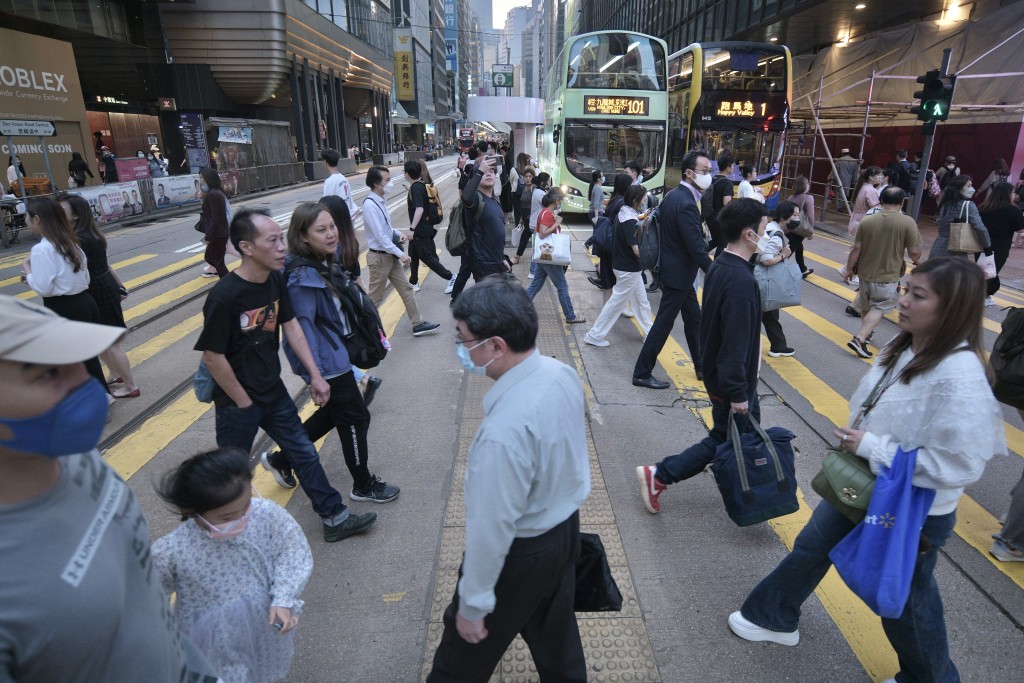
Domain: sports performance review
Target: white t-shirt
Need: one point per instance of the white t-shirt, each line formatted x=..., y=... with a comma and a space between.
x=52, y=275
x=747, y=191
x=337, y=184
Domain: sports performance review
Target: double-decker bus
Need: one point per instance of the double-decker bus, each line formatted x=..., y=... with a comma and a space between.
x=734, y=97
x=606, y=105
x=467, y=137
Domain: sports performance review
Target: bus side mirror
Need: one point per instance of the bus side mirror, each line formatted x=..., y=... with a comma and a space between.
x=556, y=134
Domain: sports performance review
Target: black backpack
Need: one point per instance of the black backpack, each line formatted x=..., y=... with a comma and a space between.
x=364, y=339
x=648, y=239
x=707, y=198
x=901, y=176
x=1007, y=360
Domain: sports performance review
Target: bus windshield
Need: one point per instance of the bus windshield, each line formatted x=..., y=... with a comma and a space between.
x=597, y=145
x=761, y=150
x=738, y=69
x=618, y=61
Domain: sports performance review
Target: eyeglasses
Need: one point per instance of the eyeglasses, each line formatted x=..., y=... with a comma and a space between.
x=470, y=341
x=706, y=171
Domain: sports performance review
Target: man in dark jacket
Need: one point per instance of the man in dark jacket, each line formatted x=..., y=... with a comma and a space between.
x=730, y=340
x=682, y=252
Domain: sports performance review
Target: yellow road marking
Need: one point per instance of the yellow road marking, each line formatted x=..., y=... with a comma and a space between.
x=172, y=295
x=133, y=452
x=120, y=264
x=150, y=348
x=160, y=272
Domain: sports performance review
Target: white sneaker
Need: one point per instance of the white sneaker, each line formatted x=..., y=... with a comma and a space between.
x=890, y=680
x=530, y=276
x=750, y=631
x=989, y=303
x=416, y=288
x=842, y=271
x=593, y=341
x=451, y=285
x=855, y=281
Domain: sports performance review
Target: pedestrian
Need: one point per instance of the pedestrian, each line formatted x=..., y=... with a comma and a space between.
x=1002, y=219
x=715, y=198
x=629, y=291
x=1008, y=543
x=527, y=475
x=385, y=257
x=336, y=183
x=605, y=280
x=518, y=184
x=487, y=234
x=213, y=220
x=505, y=186
x=903, y=172
x=78, y=600
x=347, y=258
x=730, y=341
x=955, y=206
x=596, y=194
x=846, y=169
x=77, y=170
x=933, y=397
x=804, y=201
x=157, y=164
x=525, y=205
x=236, y=565
x=748, y=175
x=421, y=230
x=948, y=171
x=878, y=250
x=683, y=251
x=541, y=185
x=1000, y=174
x=239, y=340
x=109, y=169
x=773, y=251
x=56, y=269
x=548, y=223
x=865, y=196
x=106, y=289
x=14, y=167
x=314, y=287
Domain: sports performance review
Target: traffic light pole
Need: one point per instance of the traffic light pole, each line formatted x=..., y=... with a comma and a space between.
x=929, y=141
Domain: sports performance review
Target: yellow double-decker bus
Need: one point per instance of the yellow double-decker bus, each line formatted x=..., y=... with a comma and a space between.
x=731, y=97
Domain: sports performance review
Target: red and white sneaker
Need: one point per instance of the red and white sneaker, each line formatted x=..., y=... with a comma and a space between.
x=650, y=487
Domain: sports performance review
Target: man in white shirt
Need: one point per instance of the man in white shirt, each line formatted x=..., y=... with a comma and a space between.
x=384, y=259
x=526, y=477
x=336, y=182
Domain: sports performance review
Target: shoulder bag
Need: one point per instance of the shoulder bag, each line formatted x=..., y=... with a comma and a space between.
x=845, y=479
x=806, y=228
x=780, y=283
x=963, y=238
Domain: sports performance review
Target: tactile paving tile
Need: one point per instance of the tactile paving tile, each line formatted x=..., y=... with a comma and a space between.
x=597, y=509
x=611, y=541
x=455, y=511
x=444, y=589
x=453, y=543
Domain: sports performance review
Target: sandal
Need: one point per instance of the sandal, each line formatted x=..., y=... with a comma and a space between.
x=576, y=321
x=124, y=393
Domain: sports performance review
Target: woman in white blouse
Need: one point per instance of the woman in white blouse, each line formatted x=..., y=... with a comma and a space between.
x=746, y=189
x=57, y=271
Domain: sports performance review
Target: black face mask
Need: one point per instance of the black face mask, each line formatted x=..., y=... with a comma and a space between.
x=792, y=225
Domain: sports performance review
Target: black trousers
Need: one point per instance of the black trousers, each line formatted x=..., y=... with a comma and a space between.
x=773, y=328
x=215, y=250
x=346, y=412
x=605, y=274
x=482, y=270
x=534, y=597
x=682, y=302
x=424, y=249
x=796, y=243
x=465, y=270
x=524, y=241
x=81, y=308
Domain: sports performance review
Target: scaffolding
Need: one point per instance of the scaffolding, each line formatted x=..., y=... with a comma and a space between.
x=832, y=107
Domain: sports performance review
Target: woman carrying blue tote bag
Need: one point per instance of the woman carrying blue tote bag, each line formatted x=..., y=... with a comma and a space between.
x=876, y=559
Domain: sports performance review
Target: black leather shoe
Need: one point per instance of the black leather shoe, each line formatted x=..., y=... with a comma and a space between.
x=372, y=384
x=594, y=281
x=851, y=311
x=650, y=383
x=700, y=375
x=654, y=287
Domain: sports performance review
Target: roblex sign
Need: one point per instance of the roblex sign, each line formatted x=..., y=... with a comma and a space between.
x=39, y=82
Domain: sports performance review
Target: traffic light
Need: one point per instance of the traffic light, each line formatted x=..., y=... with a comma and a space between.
x=935, y=97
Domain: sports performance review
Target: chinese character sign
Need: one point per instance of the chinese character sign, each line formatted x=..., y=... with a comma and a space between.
x=404, y=75
x=616, y=106
x=451, y=35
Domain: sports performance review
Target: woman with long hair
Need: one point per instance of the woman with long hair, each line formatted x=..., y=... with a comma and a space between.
x=518, y=183
x=605, y=279
x=1000, y=174
x=315, y=282
x=804, y=201
x=57, y=270
x=932, y=395
x=214, y=221
x=865, y=196
x=596, y=195
x=1002, y=219
x=955, y=206
x=77, y=170
x=525, y=199
x=106, y=289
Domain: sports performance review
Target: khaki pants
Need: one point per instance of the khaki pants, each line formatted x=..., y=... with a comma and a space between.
x=386, y=268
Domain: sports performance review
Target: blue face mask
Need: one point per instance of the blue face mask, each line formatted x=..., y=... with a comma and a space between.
x=467, y=363
x=72, y=426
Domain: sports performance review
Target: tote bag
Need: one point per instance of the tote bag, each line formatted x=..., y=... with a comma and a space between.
x=779, y=284
x=962, y=236
x=552, y=250
x=877, y=558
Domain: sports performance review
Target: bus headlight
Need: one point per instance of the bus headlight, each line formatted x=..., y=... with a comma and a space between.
x=571, y=190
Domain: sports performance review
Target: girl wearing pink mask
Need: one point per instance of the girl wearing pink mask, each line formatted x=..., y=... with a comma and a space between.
x=238, y=564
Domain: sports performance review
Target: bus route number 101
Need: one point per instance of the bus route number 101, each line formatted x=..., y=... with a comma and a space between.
x=615, y=106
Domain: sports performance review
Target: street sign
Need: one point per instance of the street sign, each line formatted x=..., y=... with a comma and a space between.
x=503, y=75
x=36, y=129
x=167, y=104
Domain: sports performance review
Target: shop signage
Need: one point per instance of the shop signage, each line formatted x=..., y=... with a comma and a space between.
x=403, y=75
x=43, y=129
x=616, y=106
x=451, y=35
x=167, y=104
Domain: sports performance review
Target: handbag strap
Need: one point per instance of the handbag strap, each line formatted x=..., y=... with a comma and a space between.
x=737, y=445
x=963, y=210
x=876, y=394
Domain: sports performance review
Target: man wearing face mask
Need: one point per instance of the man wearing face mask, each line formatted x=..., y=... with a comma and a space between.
x=730, y=342
x=682, y=252
x=384, y=258
x=527, y=475
x=79, y=600
x=487, y=235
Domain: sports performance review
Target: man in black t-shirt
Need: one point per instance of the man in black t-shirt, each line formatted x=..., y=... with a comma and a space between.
x=421, y=231
x=719, y=194
x=240, y=344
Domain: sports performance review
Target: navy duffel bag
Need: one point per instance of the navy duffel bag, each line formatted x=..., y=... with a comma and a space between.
x=755, y=473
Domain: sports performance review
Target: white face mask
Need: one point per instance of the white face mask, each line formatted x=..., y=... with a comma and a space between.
x=703, y=181
x=761, y=244
x=390, y=185
x=967, y=192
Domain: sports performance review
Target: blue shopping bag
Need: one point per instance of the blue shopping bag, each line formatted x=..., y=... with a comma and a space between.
x=877, y=558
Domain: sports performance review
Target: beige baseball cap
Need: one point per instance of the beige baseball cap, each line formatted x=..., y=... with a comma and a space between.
x=30, y=333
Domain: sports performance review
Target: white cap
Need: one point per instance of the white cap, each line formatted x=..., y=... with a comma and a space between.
x=844, y=150
x=31, y=333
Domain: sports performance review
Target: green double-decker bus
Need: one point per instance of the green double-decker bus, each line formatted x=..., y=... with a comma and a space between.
x=606, y=105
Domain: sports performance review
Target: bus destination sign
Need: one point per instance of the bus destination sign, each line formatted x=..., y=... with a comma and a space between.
x=608, y=105
x=755, y=107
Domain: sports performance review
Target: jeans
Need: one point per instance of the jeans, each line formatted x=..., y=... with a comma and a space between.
x=918, y=636
x=279, y=418
x=694, y=459
x=557, y=275
x=424, y=249
x=673, y=301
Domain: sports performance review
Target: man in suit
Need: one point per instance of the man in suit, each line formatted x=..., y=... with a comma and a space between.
x=682, y=252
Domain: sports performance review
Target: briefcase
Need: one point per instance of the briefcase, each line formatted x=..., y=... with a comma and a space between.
x=596, y=590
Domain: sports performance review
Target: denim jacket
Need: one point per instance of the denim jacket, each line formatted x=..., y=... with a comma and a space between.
x=320, y=320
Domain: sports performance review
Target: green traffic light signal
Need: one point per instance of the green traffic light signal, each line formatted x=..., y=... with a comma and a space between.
x=935, y=97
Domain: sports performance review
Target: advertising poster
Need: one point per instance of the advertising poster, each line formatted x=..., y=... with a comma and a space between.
x=176, y=191
x=234, y=134
x=132, y=169
x=113, y=202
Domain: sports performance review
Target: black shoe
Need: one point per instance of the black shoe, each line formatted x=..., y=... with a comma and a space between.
x=355, y=524
x=650, y=383
x=859, y=348
x=654, y=287
x=594, y=281
x=282, y=473
x=781, y=353
x=424, y=327
x=372, y=384
x=851, y=311
x=700, y=375
x=451, y=304
x=376, y=491
x=806, y=273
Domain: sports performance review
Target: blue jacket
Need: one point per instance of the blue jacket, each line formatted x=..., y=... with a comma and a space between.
x=320, y=320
